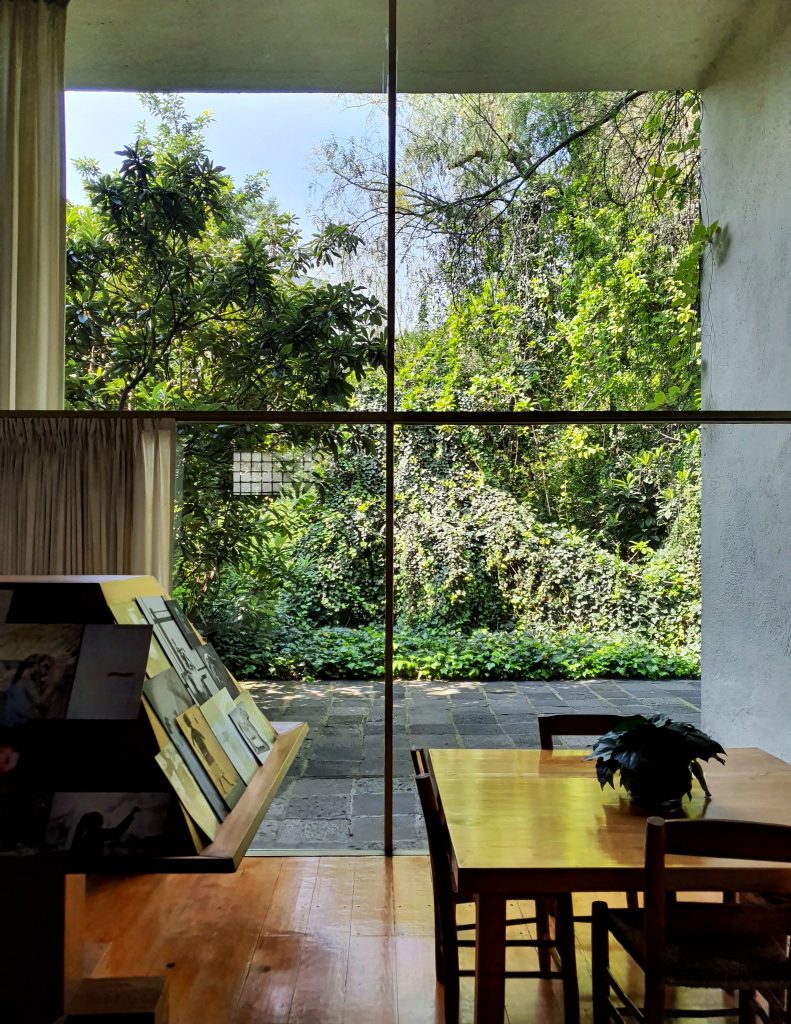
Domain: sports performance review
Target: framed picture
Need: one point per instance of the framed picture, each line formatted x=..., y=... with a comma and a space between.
x=168, y=697
x=107, y=824
x=211, y=755
x=108, y=680
x=37, y=666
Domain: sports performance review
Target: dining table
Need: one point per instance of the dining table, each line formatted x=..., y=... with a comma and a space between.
x=534, y=821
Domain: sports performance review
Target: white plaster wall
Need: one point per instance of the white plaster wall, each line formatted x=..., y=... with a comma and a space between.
x=746, y=520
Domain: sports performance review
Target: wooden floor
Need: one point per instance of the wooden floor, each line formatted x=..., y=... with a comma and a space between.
x=330, y=940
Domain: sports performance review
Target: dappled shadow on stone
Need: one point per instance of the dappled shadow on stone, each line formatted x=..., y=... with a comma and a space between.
x=332, y=799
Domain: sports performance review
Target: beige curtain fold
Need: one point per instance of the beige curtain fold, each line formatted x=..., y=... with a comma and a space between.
x=86, y=496
x=32, y=204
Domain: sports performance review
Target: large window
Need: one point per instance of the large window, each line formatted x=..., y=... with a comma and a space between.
x=431, y=373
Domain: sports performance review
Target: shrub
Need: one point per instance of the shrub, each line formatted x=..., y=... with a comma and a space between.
x=340, y=653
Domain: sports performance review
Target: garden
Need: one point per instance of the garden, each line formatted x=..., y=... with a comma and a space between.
x=549, y=254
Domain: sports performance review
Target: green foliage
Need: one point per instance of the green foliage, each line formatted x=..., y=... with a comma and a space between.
x=185, y=291
x=655, y=757
x=559, y=269
x=334, y=652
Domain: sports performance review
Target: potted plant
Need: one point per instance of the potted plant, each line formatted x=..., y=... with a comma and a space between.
x=656, y=757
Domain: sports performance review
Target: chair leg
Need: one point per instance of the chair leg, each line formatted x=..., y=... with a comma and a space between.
x=439, y=960
x=543, y=932
x=564, y=933
x=632, y=901
x=451, y=999
x=450, y=965
x=654, y=1010
x=600, y=955
x=746, y=1007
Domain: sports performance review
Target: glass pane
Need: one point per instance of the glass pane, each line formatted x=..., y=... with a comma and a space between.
x=210, y=263
x=543, y=570
x=282, y=570
x=548, y=250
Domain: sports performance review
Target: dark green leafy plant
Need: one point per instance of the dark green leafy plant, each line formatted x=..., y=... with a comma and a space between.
x=656, y=757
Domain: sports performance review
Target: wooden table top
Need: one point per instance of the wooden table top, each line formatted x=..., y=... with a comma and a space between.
x=538, y=821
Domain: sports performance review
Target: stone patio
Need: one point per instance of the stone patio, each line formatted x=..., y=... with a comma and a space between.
x=332, y=798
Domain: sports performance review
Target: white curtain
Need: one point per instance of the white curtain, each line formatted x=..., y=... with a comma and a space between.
x=85, y=496
x=32, y=205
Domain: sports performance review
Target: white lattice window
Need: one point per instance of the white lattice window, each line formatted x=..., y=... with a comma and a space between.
x=266, y=473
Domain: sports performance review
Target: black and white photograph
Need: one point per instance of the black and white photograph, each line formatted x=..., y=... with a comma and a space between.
x=37, y=666
x=184, y=624
x=107, y=824
x=108, y=682
x=184, y=658
x=216, y=712
x=252, y=737
x=169, y=698
x=221, y=677
x=180, y=777
x=257, y=717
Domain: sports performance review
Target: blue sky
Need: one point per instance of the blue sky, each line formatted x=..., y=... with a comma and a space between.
x=275, y=132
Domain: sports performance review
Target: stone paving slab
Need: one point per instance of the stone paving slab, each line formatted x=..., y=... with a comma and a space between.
x=332, y=797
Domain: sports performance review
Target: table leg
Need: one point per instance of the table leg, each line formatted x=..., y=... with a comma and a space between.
x=42, y=957
x=489, y=959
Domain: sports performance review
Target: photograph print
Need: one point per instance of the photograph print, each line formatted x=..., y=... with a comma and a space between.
x=216, y=712
x=37, y=666
x=257, y=717
x=183, y=658
x=184, y=624
x=211, y=755
x=94, y=825
x=221, y=677
x=168, y=697
x=252, y=737
x=108, y=681
x=126, y=613
x=194, y=802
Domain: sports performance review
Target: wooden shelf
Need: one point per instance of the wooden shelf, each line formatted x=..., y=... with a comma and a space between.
x=237, y=831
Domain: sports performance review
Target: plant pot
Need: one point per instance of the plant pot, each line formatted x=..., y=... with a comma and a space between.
x=657, y=786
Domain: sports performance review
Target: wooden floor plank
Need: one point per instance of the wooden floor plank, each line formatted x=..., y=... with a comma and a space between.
x=268, y=990
x=372, y=904
x=371, y=993
x=412, y=896
x=342, y=940
x=293, y=896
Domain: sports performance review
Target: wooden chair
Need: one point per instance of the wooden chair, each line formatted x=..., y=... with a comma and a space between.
x=550, y=726
x=559, y=950
x=698, y=945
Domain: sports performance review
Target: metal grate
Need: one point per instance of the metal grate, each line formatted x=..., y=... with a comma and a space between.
x=267, y=473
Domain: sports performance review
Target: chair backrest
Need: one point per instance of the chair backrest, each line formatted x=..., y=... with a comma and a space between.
x=437, y=832
x=550, y=726
x=715, y=838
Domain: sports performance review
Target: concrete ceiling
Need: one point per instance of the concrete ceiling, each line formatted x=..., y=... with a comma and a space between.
x=443, y=45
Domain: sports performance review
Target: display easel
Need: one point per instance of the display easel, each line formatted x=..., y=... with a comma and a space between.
x=43, y=896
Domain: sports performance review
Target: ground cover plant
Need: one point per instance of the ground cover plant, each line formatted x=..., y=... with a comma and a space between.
x=551, y=254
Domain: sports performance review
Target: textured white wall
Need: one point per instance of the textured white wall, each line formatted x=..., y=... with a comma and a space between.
x=746, y=522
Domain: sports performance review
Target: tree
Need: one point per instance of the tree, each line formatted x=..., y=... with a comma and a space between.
x=185, y=291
